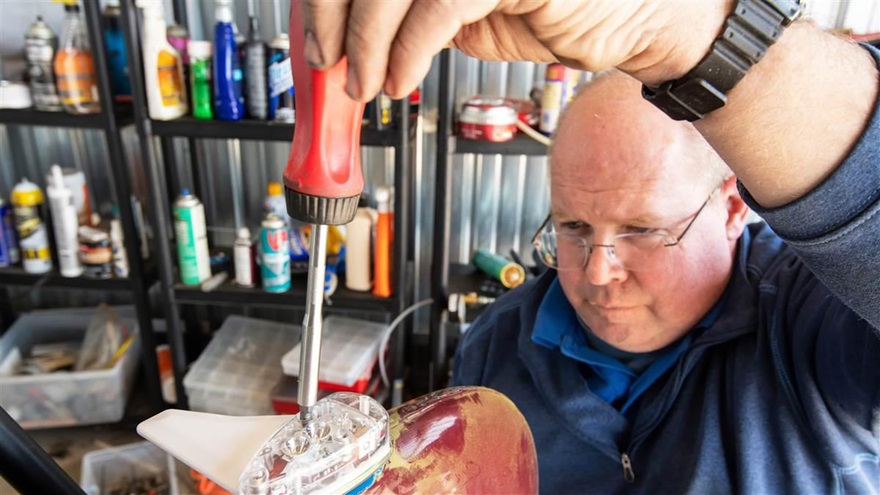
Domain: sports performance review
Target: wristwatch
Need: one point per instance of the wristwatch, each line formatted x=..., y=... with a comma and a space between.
x=750, y=30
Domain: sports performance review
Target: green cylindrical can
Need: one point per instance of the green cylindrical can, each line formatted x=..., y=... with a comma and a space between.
x=192, y=239
x=510, y=274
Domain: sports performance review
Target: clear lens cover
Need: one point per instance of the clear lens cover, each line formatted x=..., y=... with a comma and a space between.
x=343, y=445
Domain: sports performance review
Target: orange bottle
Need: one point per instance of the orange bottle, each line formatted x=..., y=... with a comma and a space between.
x=384, y=242
x=74, y=67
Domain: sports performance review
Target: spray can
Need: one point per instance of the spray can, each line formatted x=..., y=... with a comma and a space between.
x=280, y=80
x=560, y=85
x=255, y=71
x=117, y=58
x=192, y=239
x=243, y=258
x=8, y=243
x=65, y=224
x=510, y=274
x=117, y=242
x=384, y=242
x=275, y=257
x=200, y=79
x=40, y=44
x=33, y=238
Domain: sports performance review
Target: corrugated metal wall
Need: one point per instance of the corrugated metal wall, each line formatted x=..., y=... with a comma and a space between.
x=498, y=202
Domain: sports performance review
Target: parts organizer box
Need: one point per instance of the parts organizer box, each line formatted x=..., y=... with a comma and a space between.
x=239, y=370
x=349, y=350
x=137, y=466
x=63, y=398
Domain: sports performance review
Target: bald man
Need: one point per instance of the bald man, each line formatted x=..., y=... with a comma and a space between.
x=673, y=348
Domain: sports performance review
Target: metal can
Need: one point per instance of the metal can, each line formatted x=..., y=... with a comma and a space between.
x=40, y=44
x=281, y=105
x=560, y=85
x=8, y=242
x=243, y=258
x=510, y=274
x=255, y=72
x=275, y=255
x=487, y=119
x=192, y=239
x=95, y=253
x=33, y=237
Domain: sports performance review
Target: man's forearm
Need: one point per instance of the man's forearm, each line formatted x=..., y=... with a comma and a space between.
x=795, y=115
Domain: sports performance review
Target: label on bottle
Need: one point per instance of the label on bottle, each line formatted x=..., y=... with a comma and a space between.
x=202, y=99
x=75, y=73
x=280, y=77
x=170, y=83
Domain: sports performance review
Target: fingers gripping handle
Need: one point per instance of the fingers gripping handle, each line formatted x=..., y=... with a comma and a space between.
x=323, y=178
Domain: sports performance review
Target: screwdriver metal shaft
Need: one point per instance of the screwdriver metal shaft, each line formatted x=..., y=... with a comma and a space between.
x=310, y=349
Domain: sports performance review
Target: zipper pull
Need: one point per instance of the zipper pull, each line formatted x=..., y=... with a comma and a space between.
x=628, y=473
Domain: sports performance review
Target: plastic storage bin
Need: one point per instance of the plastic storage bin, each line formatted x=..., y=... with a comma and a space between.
x=110, y=470
x=239, y=370
x=63, y=398
x=349, y=349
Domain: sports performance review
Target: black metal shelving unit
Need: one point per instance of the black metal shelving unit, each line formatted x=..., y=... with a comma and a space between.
x=142, y=272
x=519, y=145
x=162, y=182
x=449, y=278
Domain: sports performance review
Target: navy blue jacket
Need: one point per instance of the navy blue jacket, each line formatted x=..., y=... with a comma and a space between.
x=780, y=395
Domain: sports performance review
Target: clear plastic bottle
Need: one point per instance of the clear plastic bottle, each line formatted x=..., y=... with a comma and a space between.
x=74, y=66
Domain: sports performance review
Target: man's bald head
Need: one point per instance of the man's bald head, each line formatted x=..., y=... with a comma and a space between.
x=609, y=114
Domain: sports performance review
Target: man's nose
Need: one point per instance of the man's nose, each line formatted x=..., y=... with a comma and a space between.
x=603, y=266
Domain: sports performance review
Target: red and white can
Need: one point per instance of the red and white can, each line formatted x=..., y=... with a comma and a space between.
x=488, y=119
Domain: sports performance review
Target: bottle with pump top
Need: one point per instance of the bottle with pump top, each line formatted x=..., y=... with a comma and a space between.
x=255, y=71
x=228, y=96
x=65, y=224
x=40, y=44
x=163, y=71
x=74, y=66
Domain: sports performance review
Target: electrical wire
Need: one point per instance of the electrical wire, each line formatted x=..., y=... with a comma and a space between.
x=528, y=131
x=387, y=336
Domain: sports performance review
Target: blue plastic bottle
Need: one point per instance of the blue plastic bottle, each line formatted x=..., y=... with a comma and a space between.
x=228, y=96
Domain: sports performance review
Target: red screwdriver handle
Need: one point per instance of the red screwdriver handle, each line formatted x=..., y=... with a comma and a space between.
x=323, y=178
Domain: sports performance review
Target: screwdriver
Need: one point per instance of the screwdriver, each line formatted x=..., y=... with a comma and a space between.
x=322, y=183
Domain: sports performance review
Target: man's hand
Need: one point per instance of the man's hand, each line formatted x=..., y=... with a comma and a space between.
x=390, y=43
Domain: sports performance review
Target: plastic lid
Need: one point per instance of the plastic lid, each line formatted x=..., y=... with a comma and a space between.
x=349, y=349
x=184, y=192
x=244, y=233
x=274, y=189
x=199, y=48
x=223, y=11
x=26, y=193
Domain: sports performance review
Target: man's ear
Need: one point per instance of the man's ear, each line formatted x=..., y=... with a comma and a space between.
x=737, y=210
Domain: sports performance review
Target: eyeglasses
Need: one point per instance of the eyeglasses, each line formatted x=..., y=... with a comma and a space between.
x=634, y=251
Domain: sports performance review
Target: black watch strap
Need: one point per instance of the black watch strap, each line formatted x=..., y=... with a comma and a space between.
x=750, y=30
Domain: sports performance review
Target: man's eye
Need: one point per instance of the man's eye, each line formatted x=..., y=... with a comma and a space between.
x=632, y=229
x=573, y=226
